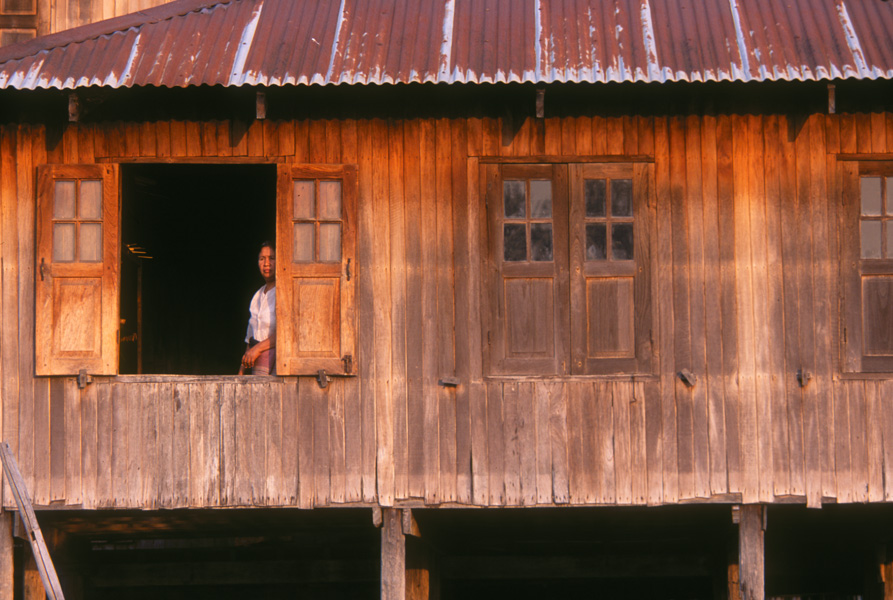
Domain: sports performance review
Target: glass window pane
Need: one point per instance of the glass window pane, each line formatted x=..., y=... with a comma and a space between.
x=305, y=244
x=514, y=197
x=90, y=242
x=63, y=242
x=330, y=200
x=63, y=200
x=889, y=226
x=541, y=241
x=90, y=201
x=330, y=242
x=514, y=242
x=622, y=241
x=540, y=199
x=594, y=191
x=621, y=198
x=596, y=241
x=305, y=200
x=871, y=239
x=890, y=195
x=871, y=196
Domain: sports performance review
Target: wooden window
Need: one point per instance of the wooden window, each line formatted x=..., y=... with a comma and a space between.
x=867, y=267
x=610, y=278
x=14, y=36
x=528, y=252
x=18, y=21
x=77, y=270
x=316, y=270
x=18, y=7
x=569, y=284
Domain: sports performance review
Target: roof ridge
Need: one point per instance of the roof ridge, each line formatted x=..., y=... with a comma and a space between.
x=90, y=31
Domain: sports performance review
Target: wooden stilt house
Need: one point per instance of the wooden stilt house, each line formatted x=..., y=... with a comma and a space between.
x=618, y=273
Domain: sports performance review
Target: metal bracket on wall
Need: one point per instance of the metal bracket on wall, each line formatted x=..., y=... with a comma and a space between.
x=322, y=378
x=83, y=379
x=687, y=377
x=803, y=377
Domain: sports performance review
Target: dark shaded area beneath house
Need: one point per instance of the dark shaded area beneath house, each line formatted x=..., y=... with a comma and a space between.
x=202, y=226
x=664, y=553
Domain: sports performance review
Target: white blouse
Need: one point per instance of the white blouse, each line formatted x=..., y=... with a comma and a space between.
x=262, y=323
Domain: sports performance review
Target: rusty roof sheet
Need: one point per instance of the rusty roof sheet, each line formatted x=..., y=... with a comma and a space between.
x=331, y=42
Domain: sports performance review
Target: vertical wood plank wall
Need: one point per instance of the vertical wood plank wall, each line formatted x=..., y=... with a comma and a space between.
x=57, y=15
x=745, y=294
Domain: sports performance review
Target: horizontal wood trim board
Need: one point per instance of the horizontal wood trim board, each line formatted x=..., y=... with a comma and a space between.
x=562, y=159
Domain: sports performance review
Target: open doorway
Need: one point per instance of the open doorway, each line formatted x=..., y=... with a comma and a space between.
x=190, y=236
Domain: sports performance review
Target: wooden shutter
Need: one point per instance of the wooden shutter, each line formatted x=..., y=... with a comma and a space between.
x=316, y=270
x=867, y=265
x=77, y=270
x=609, y=265
x=528, y=322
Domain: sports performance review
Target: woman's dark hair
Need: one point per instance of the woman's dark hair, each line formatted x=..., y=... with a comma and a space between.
x=267, y=244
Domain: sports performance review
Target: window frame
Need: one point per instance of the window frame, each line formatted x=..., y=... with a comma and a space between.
x=854, y=269
x=569, y=273
x=340, y=277
x=93, y=285
x=105, y=274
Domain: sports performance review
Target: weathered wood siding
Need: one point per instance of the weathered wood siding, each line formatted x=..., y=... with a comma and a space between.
x=56, y=15
x=745, y=292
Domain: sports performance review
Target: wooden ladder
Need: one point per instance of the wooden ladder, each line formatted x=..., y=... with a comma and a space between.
x=29, y=519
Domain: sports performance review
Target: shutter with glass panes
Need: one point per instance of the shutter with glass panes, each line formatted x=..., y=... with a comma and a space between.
x=609, y=256
x=316, y=270
x=528, y=251
x=76, y=315
x=868, y=263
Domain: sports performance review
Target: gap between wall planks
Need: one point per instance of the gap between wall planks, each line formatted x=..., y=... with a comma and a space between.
x=696, y=443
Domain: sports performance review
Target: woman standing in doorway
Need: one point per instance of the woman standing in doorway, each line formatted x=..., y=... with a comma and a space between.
x=260, y=355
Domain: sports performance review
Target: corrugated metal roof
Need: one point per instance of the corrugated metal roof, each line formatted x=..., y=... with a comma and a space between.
x=306, y=42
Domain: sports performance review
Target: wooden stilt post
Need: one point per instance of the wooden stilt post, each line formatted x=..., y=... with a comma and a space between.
x=32, y=585
x=393, y=555
x=6, y=547
x=422, y=572
x=887, y=570
x=751, y=558
x=885, y=560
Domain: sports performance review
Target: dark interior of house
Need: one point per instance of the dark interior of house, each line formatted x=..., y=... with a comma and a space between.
x=190, y=235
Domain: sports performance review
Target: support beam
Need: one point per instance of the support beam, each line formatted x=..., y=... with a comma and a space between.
x=422, y=571
x=409, y=569
x=751, y=551
x=887, y=573
x=74, y=108
x=32, y=585
x=540, y=103
x=261, y=105
x=6, y=553
x=393, y=555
